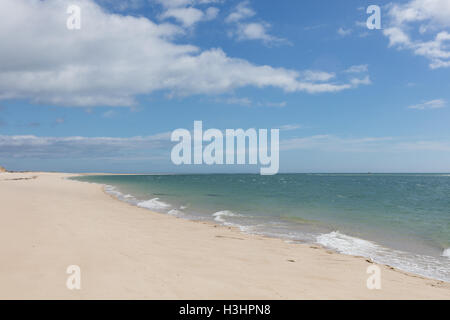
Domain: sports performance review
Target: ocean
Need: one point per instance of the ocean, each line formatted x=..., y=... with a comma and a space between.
x=402, y=220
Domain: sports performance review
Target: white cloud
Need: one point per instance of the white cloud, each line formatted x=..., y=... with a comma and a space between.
x=185, y=12
x=397, y=37
x=357, y=82
x=426, y=11
x=429, y=18
x=245, y=30
x=186, y=16
x=358, y=68
x=256, y=31
x=344, y=32
x=241, y=12
x=114, y=58
x=433, y=104
x=211, y=13
x=311, y=75
x=290, y=127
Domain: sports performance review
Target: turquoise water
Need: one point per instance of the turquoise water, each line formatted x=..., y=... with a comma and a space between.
x=398, y=219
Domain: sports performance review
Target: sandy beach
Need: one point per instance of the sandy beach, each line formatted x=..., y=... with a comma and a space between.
x=49, y=223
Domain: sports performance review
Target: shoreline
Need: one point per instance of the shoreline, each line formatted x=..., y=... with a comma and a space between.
x=146, y=254
x=353, y=245
x=238, y=230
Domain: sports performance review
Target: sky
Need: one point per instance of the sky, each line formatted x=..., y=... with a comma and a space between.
x=106, y=97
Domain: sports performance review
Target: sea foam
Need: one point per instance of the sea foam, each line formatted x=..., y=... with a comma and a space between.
x=446, y=253
x=219, y=216
x=347, y=245
x=175, y=212
x=420, y=264
x=154, y=204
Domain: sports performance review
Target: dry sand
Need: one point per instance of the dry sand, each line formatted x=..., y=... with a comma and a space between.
x=49, y=223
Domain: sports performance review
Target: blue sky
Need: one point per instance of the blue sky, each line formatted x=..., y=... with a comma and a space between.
x=107, y=96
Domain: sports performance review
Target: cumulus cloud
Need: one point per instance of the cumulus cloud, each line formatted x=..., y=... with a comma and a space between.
x=432, y=104
x=189, y=16
x=185, y=12
x=211, y=13
x=254, y=30
x=428, y=12
x=242, y=11
x=431, y=20
x=114, y=58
